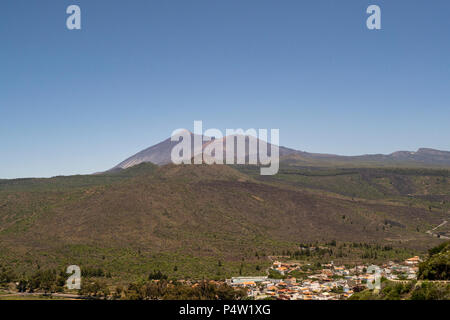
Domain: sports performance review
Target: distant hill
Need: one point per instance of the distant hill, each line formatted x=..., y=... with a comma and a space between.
x=160, y=154
x=423, y=157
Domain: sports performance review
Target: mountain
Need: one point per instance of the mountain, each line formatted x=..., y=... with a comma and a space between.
x=147, y=214
x=424, y=157
x=160, y=154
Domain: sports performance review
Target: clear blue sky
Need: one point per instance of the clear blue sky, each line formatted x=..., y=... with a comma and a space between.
x=82, y=101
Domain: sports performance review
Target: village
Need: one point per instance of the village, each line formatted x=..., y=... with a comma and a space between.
x=324, y=282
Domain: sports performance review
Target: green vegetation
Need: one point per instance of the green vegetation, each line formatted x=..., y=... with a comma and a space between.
x=43, y=280
x=180, y=291
x=429, y=287
x=350, y=253
x=157, y=275
x=437, y=266
x=409, y=290
x=417, y=187
x=431, y=291
x=182, y=220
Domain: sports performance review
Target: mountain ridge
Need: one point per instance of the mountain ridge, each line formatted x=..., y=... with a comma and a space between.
x=160, y=154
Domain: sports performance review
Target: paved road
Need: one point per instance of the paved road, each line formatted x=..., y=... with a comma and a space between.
x=433, y=234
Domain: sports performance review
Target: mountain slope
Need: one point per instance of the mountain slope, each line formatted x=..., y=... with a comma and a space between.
x=160, y=154
x=194, y=215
